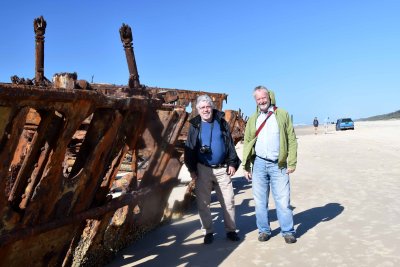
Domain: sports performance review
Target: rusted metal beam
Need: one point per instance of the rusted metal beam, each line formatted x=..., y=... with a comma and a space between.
x=13, y=126
x=31, y=168
x=126, y=37
x=39, y=25
x=50, y=98
x=159, y=140
x=188, y=97
x=237, y=124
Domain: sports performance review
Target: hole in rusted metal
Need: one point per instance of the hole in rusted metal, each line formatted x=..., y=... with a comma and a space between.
x=74, y=147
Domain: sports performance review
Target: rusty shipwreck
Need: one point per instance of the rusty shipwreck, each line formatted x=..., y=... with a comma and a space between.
x=67, y=146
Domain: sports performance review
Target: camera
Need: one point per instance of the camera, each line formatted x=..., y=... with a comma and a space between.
x=205, y=149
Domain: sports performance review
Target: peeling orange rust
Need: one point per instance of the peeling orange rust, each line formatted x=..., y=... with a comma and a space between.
x=68, y=148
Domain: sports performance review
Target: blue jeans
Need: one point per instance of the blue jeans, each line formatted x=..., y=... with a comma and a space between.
x=267, y=175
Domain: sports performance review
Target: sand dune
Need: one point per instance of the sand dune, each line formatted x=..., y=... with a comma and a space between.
x=347, y=210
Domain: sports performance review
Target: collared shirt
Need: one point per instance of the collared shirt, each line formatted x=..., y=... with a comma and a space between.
x=267, y=145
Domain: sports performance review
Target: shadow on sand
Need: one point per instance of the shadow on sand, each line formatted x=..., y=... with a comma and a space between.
x=170, y=245
x=308, y=219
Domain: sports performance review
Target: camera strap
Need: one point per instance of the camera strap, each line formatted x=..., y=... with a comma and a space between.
x=201, y=139
x=263, y=123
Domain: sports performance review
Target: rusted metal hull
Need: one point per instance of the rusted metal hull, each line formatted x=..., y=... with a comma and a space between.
x=61, y=152
x=38, y=187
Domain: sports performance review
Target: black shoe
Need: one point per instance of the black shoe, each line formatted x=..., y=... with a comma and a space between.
x=290, y=239
x=262, y=237
x=208, y=238
x=233, y=236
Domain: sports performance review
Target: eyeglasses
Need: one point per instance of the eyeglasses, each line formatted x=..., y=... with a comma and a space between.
x=205, y=107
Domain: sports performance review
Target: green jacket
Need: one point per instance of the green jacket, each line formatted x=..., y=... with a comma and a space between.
x=287, y=138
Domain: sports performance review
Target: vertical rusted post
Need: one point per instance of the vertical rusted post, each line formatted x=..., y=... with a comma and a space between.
x=126, y=38
x=39, y=25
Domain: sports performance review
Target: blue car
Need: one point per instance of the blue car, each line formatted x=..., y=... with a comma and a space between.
x=344, y=124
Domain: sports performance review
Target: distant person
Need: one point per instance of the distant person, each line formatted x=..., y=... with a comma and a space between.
x=326, y=124
x=269, y=156
x=315, y=123
x=211, y=159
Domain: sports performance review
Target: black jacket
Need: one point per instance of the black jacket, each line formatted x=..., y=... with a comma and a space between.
x=192, y=146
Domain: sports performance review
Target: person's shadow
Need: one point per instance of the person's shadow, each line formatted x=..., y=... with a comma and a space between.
x=308, y=219
x=304, y=220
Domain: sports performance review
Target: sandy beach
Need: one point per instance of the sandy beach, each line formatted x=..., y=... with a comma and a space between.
x=345, y=194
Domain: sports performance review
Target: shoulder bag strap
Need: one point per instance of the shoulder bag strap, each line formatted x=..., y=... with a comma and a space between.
x=263, y=123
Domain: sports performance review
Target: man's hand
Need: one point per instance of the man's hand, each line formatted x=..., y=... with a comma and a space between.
x=247, y=175
x=290, y=170
x=193, y=175
x=231, y=171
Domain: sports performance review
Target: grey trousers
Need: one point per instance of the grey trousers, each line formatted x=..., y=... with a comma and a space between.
x=207, y=178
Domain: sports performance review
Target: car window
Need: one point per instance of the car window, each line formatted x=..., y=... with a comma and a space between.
x=346, y=120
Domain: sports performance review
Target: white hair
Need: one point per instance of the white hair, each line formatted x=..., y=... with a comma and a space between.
x=260, y=87
x=204, y=98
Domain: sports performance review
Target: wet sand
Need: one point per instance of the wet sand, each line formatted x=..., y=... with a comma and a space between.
x=345, y=194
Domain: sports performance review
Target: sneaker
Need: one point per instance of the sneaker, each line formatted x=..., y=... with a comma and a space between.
x=262, y=237
x=290, y=239
x=208, y=238
x=233, y=236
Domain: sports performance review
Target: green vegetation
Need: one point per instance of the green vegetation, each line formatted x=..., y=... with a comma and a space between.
x=388, y=116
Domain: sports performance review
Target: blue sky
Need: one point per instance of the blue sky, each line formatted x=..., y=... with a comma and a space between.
x=338, y=58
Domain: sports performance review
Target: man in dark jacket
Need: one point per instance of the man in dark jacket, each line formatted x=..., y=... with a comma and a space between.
x=211, y=159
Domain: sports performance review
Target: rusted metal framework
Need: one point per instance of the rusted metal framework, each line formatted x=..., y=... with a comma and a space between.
x=64, y=146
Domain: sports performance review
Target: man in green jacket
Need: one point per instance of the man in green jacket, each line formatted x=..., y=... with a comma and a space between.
x=269, y=156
